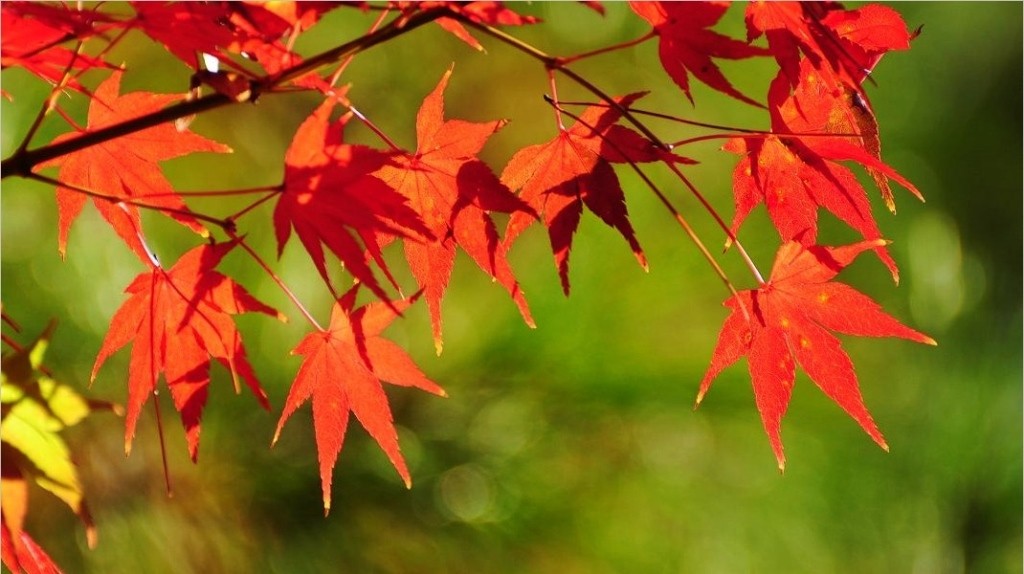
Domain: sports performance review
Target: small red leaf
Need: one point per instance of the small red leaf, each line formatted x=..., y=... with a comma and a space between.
x=453, y=192
x=558, y=178
x=687, y=46
x=177, y=320
x=342, y=370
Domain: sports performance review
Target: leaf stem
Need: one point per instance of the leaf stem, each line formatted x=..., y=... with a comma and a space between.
x=373, y=127
x=251, y=206
x=565, y=61
x=227, y=192
x=554, y=100
x=153, y=379
x=51, y=100
x=222, y=223
x=280, y=283
x=348, y=59
x=721, y=223
x=551, y=62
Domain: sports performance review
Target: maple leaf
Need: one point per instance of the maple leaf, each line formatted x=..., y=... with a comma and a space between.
x=572, y=171
x=331, y=197
x=453, y=192
x=865, y=35
x=850, y=42
x=21, y=553
x=33, y=34
x=186, y=29
x=177, y=320
x=821, y=104
x=796, y=170
x=342, y=371
x=258, y=28
x=125, y=167
x=687, y=46
x=790, y=319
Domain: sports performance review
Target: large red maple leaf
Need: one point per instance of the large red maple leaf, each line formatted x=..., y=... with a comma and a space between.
x=686, y=44
x=176, y=320
x=126, y=167
x=790, y=317
x=454, y=193
x=331, y=198
x=342, y=370
x=574, y=169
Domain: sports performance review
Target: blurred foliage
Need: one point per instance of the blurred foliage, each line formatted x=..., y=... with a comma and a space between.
x=574, y=448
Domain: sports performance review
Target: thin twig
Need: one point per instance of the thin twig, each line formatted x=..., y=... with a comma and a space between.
x=280, y=283
x=551, y=62
x=222, y=223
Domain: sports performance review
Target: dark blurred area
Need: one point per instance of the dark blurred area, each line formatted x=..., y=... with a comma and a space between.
x=574, y=448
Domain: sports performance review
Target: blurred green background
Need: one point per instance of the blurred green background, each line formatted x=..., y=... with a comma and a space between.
x=574, y=447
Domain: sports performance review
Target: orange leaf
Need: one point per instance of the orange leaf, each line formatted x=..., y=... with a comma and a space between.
x=177, y=320
x=342, y=371
x=453, y=192
x=126, y=167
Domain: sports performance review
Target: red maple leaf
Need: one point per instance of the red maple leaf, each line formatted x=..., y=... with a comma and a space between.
x=453, y=192
x=790, y=317
x=126, y=167
x=821, y=104
x=176, y=320
x=687, y=46
x=342, y=370
x=331, y=197
x=795, y=174
x=865, y=35
x=558, y=178
x=32, y=34
x=259, y=28
x=186, y=29
x=850, y=42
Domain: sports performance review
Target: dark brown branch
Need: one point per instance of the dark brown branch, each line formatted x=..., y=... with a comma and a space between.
x=22, y=162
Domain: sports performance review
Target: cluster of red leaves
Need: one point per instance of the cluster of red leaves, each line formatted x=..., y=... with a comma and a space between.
x=356, y=200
